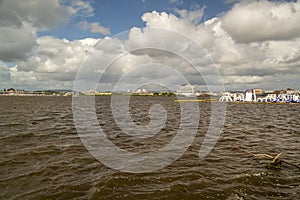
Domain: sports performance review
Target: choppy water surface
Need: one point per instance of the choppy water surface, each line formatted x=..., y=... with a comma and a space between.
x=42, y=157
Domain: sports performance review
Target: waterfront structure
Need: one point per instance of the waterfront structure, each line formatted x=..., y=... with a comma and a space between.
x=205, y=93
x=141, y=91
x=226, y=97
x=90, y=92
x=96, y=93
x=186, y=90
x=250, y=96
x=269, y=98
x=284, y=96
x=232, y=97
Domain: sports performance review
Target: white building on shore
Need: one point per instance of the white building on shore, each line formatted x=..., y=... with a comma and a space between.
x=281, y=96
x=186, y=90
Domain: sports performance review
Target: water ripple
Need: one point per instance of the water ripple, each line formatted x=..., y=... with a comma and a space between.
x=42, y=157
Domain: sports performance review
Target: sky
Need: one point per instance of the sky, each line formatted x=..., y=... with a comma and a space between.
x=124, y=45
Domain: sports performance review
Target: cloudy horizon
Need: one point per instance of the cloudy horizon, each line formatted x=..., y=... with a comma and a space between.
x=253, y=44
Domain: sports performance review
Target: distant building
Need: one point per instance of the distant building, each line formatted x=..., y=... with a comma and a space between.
x=96, y=93
x=205, y=93
x=277, y=96
x=141, y=91
x=186, y=90
x=250, y=95
x=226, y=97
x=258, y=91
x=90, y=92
x=269, y=91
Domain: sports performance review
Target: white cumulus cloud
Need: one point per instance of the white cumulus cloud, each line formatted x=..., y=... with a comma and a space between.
x=255, y=44
x=255, y=21
x=19, y=23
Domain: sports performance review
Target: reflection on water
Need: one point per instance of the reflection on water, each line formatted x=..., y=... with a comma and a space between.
x=41, y=156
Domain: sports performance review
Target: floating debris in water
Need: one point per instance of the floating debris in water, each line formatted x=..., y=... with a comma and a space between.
x=276, y=162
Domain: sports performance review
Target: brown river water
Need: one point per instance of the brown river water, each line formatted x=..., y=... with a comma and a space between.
x=42, y=156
